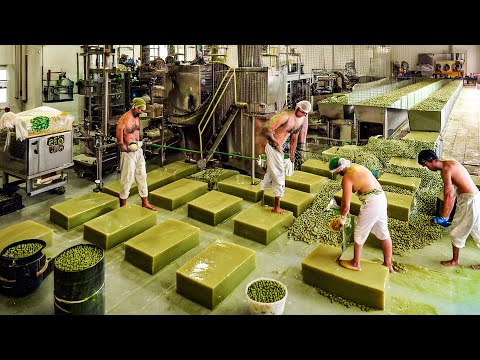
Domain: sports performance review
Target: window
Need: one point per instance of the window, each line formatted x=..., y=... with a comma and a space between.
x=3, y=84
x=158, y=51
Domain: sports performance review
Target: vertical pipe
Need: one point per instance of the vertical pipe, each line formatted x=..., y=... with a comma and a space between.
x=253, y=147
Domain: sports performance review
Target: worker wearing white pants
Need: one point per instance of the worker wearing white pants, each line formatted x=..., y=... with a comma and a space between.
x=372, y=218
x=132, y=166
x=275, y=173
x=466, y=220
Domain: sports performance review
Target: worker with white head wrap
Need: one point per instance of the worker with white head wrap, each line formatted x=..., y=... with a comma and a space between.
x=373, y=212
x=291, y=123
x=132, y=161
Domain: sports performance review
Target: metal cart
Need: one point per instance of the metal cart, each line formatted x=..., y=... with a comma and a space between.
x=39, y=162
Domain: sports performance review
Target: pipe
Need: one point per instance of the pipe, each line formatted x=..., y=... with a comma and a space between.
x=26, y=79
x=253, y=147
x=199, y=152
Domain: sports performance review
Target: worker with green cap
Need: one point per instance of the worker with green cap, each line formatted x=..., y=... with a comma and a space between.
x=132, y=161
x=373, y=212
x=291, y=123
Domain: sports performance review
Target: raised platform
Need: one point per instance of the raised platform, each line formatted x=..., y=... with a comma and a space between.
x=366, y=287
x=260, y=224
x=118, y=226
x=76, y=211
x=177, y=193
x=161, y=244
x=214, y=207
x=209, y=277
x=304, y=181
x=23, y=231
x=318, y=167
x=293, y=200
x=409, y=183
x=241, y=186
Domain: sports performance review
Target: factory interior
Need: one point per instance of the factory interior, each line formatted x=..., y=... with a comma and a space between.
x=213, y=234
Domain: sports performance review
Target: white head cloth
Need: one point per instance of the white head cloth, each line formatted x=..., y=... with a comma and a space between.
x=342, y=164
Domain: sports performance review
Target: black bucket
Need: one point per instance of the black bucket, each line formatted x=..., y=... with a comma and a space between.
x=20, y=276
x=80, y=289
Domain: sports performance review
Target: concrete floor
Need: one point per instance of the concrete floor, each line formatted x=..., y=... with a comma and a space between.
x=426, y=288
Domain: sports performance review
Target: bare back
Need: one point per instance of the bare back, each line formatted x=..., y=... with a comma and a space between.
x=360, y=179
x=454, y=173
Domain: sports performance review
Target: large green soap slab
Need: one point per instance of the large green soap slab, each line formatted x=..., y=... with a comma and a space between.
x=476, y=180
x=260, y=224
x=318, y=167
x=181, y=169
x=158, y=178
x=331, y=151
x=366, y=287
x=427, y=136
x=400, y=161
x=23, y=231
x=177, y=193
x=241, y=186
x=405, y=182
x=293, y=200
x=163, y=243
x=214, y=207
x=119, y=225
x=209, y=277
x=113, y=188
x=304, y=181
x=399, y=206
x=76, y=211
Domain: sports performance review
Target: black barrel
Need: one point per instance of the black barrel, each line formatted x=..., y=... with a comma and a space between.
x=22, y=275
x=79, y=281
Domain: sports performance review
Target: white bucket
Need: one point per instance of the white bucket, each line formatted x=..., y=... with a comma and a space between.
x=264, y=308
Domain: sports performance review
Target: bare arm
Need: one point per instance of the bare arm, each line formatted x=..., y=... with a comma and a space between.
x=119, y=134
x=346, y=196
x=448, y=192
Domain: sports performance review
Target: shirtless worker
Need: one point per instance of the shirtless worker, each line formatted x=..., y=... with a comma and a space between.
x=293, y=123
x=132, y=162
x=456, y=182
x=373, y=212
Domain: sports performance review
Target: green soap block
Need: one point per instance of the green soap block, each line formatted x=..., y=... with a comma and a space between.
x=260, y=224
x=366, y=287
x=23, y=231
x=331, y=151
x=212, y=182
x=158, y=178
x=214, y=207
x=181, y=169
x=399, y=206
x=318, y=167
x=163, y=243
x=76, y=211
x=113, y=188
x=293, y=200
x=476, y=180
x=177, y=193
x=305, y=181
x=405, y=182
x=119, y=225
x=427, y=136
x=241, y=186
x=215, y=272
x=400, y=161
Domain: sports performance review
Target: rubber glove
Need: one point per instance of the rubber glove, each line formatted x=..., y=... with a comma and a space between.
x=441, y=221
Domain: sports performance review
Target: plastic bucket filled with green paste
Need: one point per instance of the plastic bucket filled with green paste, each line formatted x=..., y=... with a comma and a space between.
x=79, y=281
x=266, y=296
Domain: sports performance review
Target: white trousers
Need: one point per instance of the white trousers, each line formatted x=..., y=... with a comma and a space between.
x=372, y=218
x=132, y=167
x=275, y=173
x=466, y=220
